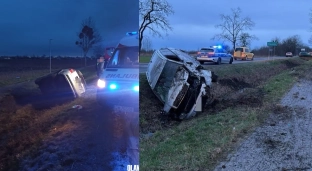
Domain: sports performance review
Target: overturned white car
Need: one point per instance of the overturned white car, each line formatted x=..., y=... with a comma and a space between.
x=180, y=82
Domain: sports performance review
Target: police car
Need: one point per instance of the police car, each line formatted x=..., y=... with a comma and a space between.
x=118, y=85
x=215, y=54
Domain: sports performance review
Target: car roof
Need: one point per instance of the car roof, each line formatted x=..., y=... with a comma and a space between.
x=129, y=40
x=206, y=48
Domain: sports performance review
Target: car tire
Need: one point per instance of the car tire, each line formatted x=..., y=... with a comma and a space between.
x=219, y=61
x=246, y=58
x=231, y=61
x=252, y=58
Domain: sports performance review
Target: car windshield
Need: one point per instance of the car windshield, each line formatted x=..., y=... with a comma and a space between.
x=125, y=57
x=239, y=49
x=206, y=50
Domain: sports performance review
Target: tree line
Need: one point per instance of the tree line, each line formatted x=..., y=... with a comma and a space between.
x=292, y=44
x=233, y=29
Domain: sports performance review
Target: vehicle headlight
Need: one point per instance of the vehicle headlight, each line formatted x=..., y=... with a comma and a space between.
x=101, y=83
x=136, y=88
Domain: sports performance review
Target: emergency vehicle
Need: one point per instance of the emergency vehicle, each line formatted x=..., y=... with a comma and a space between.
x=215, y=54
x=118, y=85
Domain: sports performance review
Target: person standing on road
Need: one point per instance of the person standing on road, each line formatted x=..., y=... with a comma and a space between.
x=99, y=66
x=106, y=58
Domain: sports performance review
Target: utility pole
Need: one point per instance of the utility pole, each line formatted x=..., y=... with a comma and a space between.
x=50, y=53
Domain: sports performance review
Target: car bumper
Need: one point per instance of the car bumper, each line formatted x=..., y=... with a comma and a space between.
x=207, y=59
x=122, y=100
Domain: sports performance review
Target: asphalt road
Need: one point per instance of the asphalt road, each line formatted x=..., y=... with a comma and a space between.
x=143, y=66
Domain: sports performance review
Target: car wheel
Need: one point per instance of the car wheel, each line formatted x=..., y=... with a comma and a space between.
x=219, y=61
x=252, y=58
x=245, y=58
x=231, y=61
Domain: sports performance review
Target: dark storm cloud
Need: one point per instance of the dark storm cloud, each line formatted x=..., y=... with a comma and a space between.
x=27, y=26
x=194, y=21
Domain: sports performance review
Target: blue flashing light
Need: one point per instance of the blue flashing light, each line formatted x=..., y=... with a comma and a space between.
x=112, y=86
x=131, y=33
x=136, y=88
x=219, y=46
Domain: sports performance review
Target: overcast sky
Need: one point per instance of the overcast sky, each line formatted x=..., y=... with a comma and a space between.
x=27, y=25
x=194, y=21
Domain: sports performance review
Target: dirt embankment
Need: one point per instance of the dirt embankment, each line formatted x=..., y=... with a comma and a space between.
x=236, y=87
x=284, y=141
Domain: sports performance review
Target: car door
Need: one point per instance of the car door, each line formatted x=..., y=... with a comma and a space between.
x=248, y=53
x=224, y=57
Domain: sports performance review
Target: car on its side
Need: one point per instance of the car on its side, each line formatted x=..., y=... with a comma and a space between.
x=243, y=53
x=180, y=82
x=65, y=82
x=289, y=54
x=215, y=54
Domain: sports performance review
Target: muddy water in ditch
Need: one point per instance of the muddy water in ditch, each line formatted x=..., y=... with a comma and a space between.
x=126, y=134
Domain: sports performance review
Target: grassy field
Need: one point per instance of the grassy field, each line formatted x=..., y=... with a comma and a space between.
x=19, y=70
x=145, y=59
x=244, y=96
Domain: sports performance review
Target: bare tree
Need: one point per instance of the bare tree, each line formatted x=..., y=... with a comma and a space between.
x=245, y=39
x=87, y=37
x=147, y=44
x=292, y=44
x=153, y=16
x=310, y=14
x=233, y=26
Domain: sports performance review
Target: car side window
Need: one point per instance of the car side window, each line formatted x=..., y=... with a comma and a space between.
x=115, y=58
x=247, y=50
x=219, y=50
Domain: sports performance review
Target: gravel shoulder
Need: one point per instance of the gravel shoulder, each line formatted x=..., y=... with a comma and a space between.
x=284, y=142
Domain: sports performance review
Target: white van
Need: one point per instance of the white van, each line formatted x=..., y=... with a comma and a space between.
x=179, y=82
x=118, y=85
